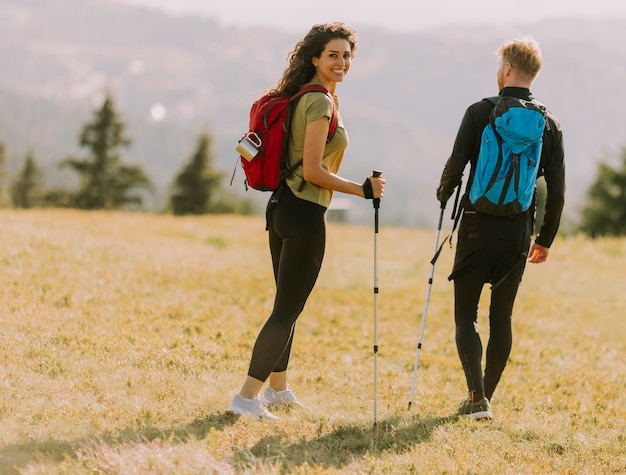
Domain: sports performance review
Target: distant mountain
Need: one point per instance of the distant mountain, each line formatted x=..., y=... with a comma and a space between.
x=402, y=101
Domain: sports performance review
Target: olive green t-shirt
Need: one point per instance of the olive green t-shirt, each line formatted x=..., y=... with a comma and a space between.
x=311, y=107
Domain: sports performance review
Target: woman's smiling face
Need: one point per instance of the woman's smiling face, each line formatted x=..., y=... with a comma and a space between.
x=334, y=62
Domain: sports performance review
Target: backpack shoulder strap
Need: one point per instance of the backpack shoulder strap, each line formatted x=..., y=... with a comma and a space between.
x=492, y=99
x=332, y=127
x=334, y=120
x=544, y=110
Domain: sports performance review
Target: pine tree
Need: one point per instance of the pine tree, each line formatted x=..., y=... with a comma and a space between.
x=197, y=184
x=605, y=211
x=105, y=182
x=26, y=189
x=3, y=164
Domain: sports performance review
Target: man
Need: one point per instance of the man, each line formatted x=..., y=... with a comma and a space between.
x=494, y=249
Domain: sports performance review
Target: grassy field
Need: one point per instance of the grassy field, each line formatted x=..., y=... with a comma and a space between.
x=123, y=338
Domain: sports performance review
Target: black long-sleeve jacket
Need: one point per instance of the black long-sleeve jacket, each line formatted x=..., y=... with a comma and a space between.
x=552, y=167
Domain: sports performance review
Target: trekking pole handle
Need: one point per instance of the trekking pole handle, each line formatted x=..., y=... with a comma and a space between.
x=376, y=174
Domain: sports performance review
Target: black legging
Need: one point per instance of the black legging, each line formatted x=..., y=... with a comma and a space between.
x=297, y=238
x=502, y=263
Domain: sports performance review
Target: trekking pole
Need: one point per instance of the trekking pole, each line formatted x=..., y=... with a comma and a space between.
x=455, y=216
x=376, y=173
x=430, y=284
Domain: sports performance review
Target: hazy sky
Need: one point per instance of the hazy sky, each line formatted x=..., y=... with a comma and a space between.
x=397, y=15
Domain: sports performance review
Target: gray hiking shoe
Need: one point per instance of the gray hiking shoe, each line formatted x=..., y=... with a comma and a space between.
x=251, y=408
x=476, y=410
x=277, y=399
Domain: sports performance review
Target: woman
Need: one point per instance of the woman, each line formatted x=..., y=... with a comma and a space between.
x=296, y=216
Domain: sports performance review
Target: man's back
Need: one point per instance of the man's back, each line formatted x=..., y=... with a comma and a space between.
x=494, y=249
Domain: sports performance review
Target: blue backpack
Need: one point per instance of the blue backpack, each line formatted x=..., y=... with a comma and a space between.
x=509, y=156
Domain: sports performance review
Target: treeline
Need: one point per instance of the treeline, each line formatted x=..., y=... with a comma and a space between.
x=106, y=183
x=604, y=212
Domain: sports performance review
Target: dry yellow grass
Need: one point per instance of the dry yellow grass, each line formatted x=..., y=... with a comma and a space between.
x=124, y=336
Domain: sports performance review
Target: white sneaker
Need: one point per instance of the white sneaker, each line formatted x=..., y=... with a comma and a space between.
x=251, y=408
x=273, y=398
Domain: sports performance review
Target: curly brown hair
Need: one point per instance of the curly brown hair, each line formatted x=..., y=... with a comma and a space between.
x=300, y=69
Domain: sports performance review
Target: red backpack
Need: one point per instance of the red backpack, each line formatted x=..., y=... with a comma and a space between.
x=263, y=148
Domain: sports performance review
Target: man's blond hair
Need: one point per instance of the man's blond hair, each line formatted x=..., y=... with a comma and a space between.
x=524, y=55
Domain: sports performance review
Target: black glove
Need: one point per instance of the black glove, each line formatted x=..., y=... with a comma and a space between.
x=443, y=195
x=367, y=189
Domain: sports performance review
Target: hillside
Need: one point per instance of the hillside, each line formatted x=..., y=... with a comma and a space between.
x=402, y=101
x=125, y=335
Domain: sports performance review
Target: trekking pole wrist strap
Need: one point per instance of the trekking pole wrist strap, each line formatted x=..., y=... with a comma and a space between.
x=368, y=192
